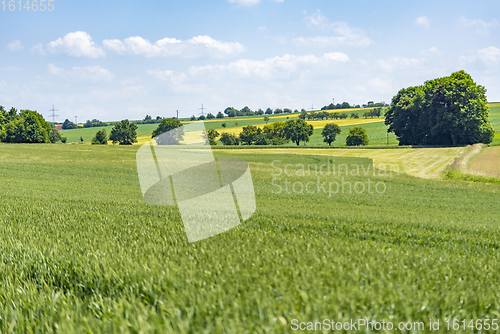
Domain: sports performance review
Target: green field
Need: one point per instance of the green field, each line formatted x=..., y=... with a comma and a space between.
x=81, y=252
x=377, y=131
x=235, y=124
x=494, y=114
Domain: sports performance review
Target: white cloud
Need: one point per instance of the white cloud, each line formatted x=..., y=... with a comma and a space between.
x=262, y=29
x=486, y=58
x=15, y=46
x=96, y=73
x=271, y=68
x=481, y=26
x=168, y=75
x=195, y=47
x=344, y=34
x=339, y=56
x=433, y=49
x=423, y=21
x=400, y=63
x=489, y=54
x=77, y=44
x=38, y=48
x=318, y=21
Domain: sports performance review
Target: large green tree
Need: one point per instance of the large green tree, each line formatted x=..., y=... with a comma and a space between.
x=357, y=137
x=249, y=134
x=275, y=133
x=171, y=132
x=27, y=126
x=212, y=136
x=445, y=111
x=298, y=131
x=124, y=133
x=330, y=132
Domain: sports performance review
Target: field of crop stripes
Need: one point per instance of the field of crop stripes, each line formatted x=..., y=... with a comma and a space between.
x=81, y=252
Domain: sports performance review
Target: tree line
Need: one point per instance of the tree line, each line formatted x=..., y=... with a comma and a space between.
x=280, y=133
x=26, y=126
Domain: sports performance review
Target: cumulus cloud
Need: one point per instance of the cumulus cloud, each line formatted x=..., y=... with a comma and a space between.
x=344, y=34
x=191, y=48
x=168, y=75
x=96, y=73
x=38, y=48
x=76, y=44
x=271, y=68
x=423, y=21
x=489, y=54
x=486, y=59
x=480, y=26
x=15, y=46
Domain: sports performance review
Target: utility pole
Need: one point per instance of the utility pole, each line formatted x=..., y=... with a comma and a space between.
x=202, y=109
x=53, y=114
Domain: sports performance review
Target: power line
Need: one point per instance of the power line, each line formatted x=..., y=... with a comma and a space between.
x=202, y=110
x=53, y=114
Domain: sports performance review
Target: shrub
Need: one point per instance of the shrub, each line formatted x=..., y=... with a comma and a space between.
x=229, y=139
x=100, y=138
x=357, y=137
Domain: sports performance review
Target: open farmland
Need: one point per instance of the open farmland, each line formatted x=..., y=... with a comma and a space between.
x=486, y=163
x=82, y=252
x=375, y=127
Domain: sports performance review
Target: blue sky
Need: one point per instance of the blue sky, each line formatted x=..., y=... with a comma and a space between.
x=124, y=59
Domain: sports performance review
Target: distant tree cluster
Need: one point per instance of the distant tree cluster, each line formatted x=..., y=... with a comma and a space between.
x=343, y=105
x=277, y=133
x=246, y=111
x=346, y=105
x=371, y=104
x=445, y=111
x=321, y=115
x=149, y=120
x=26, y=126
x=94, y=123
x=373, y=113
x=68, y=125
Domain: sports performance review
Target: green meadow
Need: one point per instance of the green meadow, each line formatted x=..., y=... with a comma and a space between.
x=377, y=131
x=81, y=252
